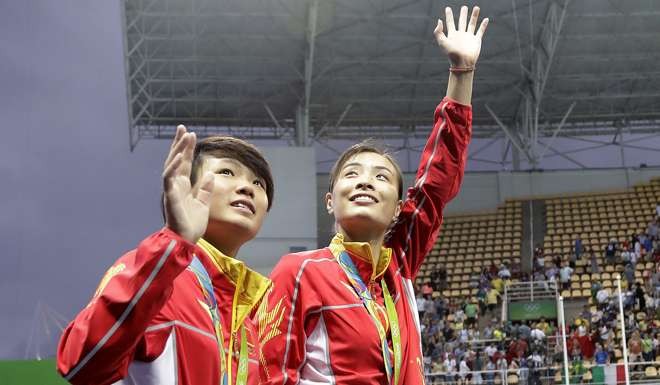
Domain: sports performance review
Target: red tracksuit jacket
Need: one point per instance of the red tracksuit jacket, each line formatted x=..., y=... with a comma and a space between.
x=318, y=330
x=148, y=323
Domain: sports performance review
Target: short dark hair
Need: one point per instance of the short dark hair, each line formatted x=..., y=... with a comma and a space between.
x=232, y=148
x=368, y=145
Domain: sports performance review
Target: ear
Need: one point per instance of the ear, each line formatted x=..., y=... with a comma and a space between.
x=328, y=203
x=397, y=210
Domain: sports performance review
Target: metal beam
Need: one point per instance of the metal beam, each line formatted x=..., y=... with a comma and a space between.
x=278, y=128
x=302, y=112
x=535, y=79
x=559, y=127
x=513, y=138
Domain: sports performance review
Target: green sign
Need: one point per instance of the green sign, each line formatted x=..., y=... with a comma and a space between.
x=29, y=372
x=519, y=311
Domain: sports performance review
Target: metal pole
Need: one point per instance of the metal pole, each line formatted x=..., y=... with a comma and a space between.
x=623, y=330
x=531, y=243
x=563, y=338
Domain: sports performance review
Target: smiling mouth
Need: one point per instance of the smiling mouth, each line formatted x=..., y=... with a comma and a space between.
x=243, y=204
x=363, y=198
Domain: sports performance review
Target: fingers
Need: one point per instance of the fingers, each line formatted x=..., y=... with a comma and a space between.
x=178, y=148
x=462, y=19
x=472, y=26
x=188, y=153
x=438, y=32
x=180, y=131
x=482, y=28
x=171, y=170
x=205, y=189
x=449, y=17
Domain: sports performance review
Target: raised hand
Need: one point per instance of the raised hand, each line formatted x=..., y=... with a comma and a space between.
x=461, y=45
x=186, y=207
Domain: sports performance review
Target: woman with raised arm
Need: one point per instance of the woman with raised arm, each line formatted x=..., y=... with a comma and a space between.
x=346, y=314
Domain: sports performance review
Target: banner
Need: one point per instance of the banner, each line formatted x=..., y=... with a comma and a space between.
x=519, y=311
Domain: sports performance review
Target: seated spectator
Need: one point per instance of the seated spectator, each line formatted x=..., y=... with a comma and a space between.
x=602, y=358
x=578, y=247
x=628, y=298
x=602, y=296
x=488, y=332
x=498, y=284
x=421, y=304
x=593, y=259
x=625, y=256
x=586, y=313
x=504, y=272
x=490, y=350
x=463, y=370
x=647, y=348
x=635, y=347
x=491, y=299
x=655, y=280
x=565, y=277
x=575, y=349
x=490, y=372
x=629, y=273
x=640, y=296
x=524, y=331
x=557, y=261
x=610, y=252
x=653, y=229
x=540, y=262
x=450, y=368
x=471, y=312
x=537, y=333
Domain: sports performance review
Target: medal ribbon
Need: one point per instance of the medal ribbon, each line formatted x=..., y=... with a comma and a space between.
x=347, y=265
x=225, y=357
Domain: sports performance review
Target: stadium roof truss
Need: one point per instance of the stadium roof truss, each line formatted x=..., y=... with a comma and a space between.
x=310, y=72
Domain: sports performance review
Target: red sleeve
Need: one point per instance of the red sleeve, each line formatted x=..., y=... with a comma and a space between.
x=439, y=178
x=284, y=322
x=98, y=345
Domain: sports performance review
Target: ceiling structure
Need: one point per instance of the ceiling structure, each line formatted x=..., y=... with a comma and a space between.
x=315, y=71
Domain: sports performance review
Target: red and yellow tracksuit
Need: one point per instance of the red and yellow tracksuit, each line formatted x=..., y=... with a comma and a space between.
x=316, y=329
x=150, y=321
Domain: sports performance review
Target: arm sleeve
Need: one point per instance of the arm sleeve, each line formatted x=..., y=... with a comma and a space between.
x=284, y=321
x=439, y=177
x=98, y=345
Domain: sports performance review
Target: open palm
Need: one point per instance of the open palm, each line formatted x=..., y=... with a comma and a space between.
x=463, y=44
x=186, y=207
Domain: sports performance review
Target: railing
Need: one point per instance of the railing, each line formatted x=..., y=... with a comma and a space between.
x=547, y=375
x=531, y=291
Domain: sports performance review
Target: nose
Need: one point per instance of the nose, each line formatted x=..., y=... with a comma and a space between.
x=364, y=183
x=246, y=188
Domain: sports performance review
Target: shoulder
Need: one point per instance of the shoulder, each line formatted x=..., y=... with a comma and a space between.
x=296, y=263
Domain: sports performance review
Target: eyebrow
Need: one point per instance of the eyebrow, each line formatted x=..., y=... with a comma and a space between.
x=360, y=165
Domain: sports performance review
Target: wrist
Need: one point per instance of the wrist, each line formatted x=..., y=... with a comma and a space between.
x=191, y=238
x=461, y=70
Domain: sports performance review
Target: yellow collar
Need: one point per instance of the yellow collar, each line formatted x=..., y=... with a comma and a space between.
x=250, y=285
x=363, y=251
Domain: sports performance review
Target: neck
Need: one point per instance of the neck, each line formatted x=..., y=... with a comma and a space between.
x=225, y=244
x=375, y=242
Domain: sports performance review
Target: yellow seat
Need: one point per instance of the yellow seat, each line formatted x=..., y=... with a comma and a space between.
x=651, y=372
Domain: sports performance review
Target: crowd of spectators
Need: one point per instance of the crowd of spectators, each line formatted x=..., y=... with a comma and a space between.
x=465, y=341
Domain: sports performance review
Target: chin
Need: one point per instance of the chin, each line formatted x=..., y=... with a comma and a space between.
x=360, y=222
x=236, y=224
